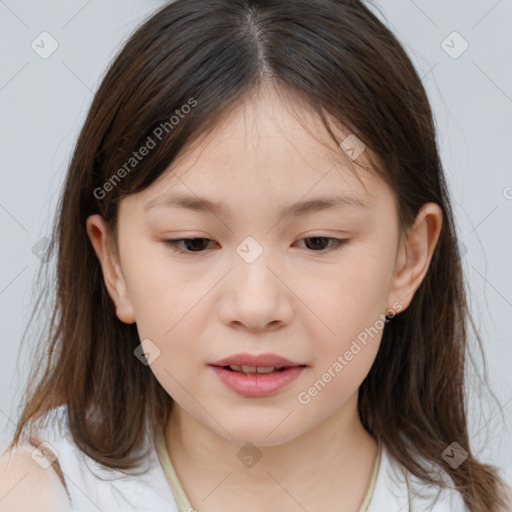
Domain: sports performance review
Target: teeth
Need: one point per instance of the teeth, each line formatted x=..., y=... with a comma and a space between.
x=253, y=369
x=265, y=369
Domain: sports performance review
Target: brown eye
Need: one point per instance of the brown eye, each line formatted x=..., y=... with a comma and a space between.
x=189, y=244
x=318, y=243
x=199, y=245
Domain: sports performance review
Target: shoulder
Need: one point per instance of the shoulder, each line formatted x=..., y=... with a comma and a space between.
x=27, y=475
x=74, y=481
x=398, y=489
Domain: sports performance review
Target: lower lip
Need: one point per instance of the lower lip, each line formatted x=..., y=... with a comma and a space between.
x=259, y=384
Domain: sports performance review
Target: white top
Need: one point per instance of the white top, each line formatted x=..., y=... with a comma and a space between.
x=92, y=487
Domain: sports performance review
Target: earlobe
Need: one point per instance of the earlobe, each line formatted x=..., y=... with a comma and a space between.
x=97, y=230
x=415, y=254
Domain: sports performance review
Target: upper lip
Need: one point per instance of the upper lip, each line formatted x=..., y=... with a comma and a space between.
x=255, y=360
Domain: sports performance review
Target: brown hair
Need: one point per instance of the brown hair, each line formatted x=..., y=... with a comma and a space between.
x=338, y=58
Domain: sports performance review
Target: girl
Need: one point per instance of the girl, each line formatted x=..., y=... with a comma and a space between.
x=259, y=301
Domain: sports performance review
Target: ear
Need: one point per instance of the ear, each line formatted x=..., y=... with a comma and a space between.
x=414, y=255
x=97, y=231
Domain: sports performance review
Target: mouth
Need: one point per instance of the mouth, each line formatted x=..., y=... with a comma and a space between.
x=257, y=376
x=249, y=363
x=252, y=370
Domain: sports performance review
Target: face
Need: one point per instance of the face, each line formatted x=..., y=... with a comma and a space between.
x=270, y=272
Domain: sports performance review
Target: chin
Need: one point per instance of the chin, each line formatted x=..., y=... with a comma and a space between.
x=270, y=432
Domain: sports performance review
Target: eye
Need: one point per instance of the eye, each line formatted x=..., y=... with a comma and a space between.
x=200, y=244
x=319, y=241
x=196, y=244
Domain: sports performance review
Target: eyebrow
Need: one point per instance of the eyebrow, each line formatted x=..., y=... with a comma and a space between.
x=203, y=205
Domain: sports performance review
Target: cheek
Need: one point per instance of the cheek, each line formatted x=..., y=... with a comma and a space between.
x=350, y=295
x=168, y=311
x=160, y=291
x=171, y=311
x=346, y=342
x=351, y=305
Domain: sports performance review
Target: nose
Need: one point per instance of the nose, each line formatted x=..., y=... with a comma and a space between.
x=256, y=296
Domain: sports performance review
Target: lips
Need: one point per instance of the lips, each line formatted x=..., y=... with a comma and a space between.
x=255, y=361
x=257, y=375
x=257, y=384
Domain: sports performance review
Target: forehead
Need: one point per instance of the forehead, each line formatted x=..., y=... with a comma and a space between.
x=269, y=147
x=272, y=127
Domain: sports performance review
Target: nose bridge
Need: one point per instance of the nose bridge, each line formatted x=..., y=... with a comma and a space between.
x=252, y=262
x=256, y=297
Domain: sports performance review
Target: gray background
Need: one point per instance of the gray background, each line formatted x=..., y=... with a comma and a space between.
x=43, y=102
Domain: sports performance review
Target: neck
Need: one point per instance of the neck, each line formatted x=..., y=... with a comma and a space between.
x=330, y=464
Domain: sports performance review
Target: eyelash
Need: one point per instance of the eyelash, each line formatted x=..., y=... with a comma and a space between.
x=174, y=244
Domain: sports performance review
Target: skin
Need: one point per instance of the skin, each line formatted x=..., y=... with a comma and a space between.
x=22, y=479
x=302, y=301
